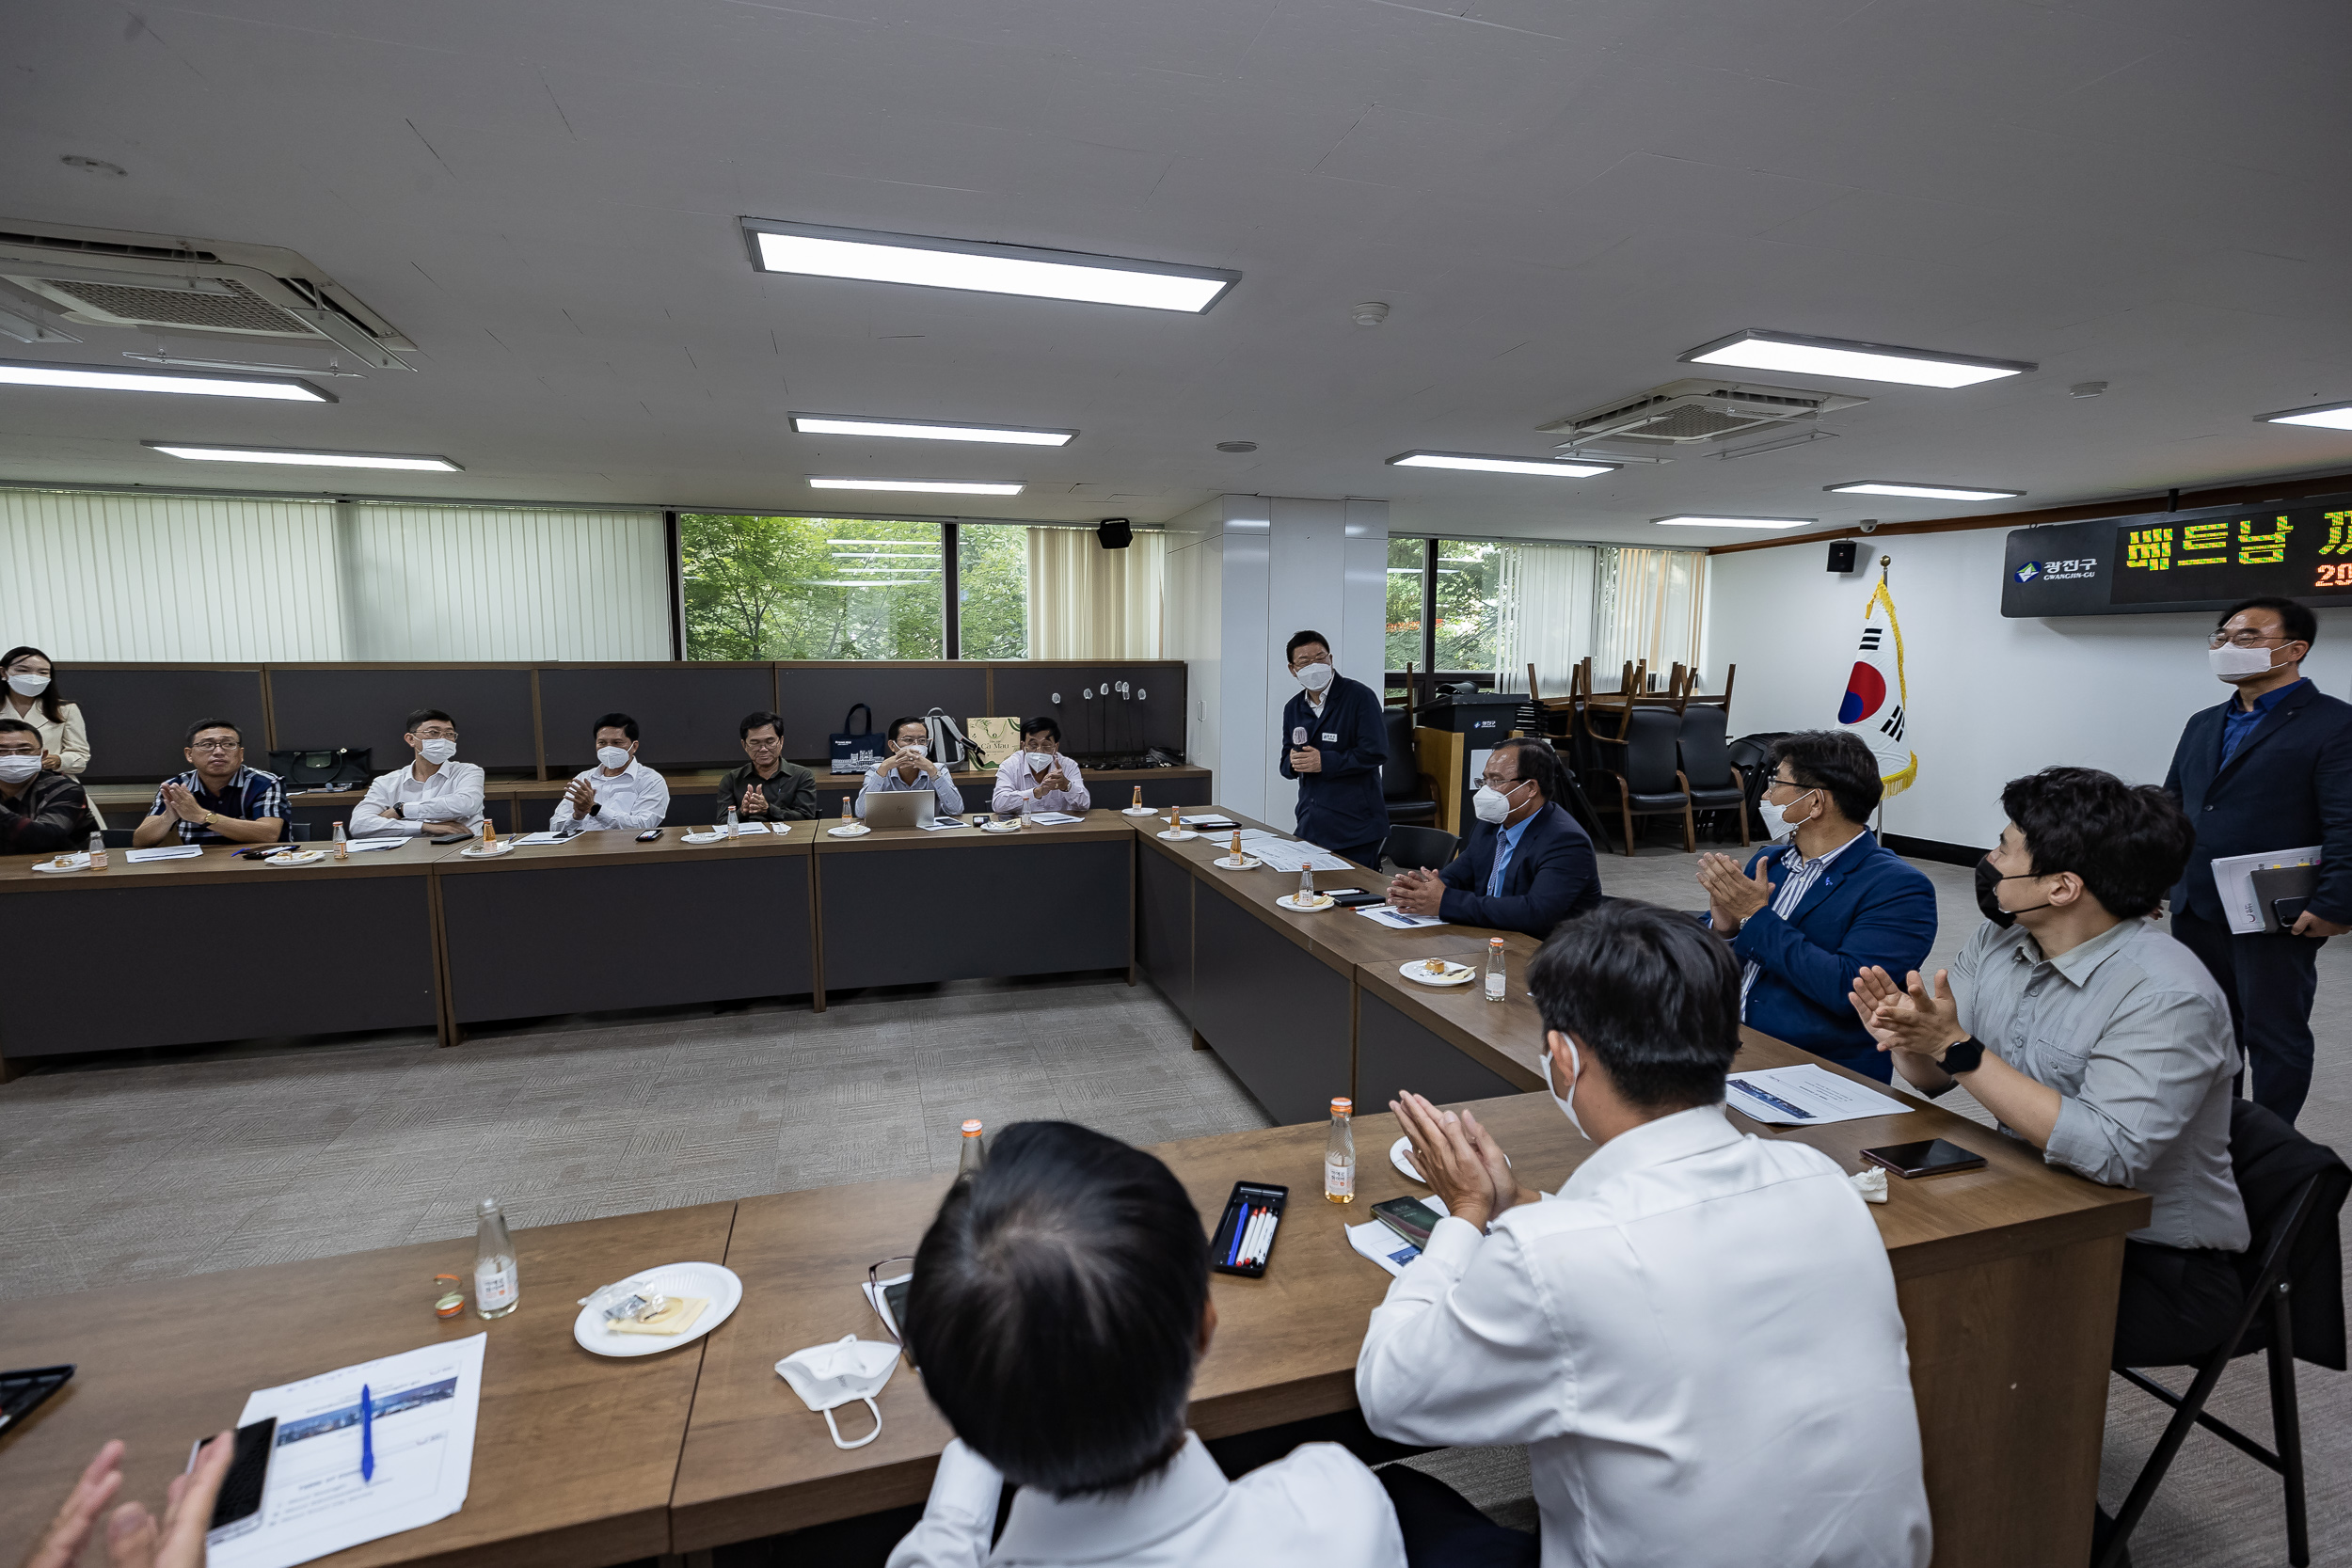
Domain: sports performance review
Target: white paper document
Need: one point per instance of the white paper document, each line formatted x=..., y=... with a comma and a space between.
x=1291, y=854
x=1807, y=1096
x=371, y=845
x=169, y=852
x=1205, y=823
x=2233, y=879
x=1049, y=817
x=943, y=823
x=1396, y=919
x=543, y=838
x=315, y=1501
x=1385, y=1247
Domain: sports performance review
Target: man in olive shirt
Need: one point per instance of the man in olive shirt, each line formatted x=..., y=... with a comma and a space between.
x=767, y=788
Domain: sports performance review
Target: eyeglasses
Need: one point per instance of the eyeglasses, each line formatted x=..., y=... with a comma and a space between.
x=216, y=744
x=2245, y=637
x=1495, y=781
x=881, y=1278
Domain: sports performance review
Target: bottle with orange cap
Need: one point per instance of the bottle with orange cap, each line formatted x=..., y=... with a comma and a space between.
x=1339, y=1153
x=971, y=1157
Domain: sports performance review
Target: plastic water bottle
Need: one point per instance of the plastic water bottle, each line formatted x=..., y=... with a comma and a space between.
x=971, y=1157
x=1306, y=886
x=1339, y=1153
x=731, y=822
x=98, y=851
x=498, y=1288
x=343, y=845
x=1495, y=969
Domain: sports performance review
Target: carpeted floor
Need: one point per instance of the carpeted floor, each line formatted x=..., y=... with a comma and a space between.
x=162, y=1164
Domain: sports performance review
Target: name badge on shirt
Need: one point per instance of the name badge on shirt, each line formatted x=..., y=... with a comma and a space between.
x=1330, y=736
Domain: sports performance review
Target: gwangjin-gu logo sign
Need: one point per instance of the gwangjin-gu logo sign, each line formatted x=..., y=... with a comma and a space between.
x=2074, y=569
x=2030, y=571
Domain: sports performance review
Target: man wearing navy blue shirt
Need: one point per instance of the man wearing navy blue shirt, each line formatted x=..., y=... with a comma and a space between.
x=2269, y=770
x=1333, y=746
x=218, y=799
x=1527, y=867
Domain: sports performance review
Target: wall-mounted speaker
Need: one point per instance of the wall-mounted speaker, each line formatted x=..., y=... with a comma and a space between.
x=1841, y=555
x=1116, y=533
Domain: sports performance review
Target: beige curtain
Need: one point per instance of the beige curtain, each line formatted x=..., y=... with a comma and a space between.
x=1653, y=604
x=1086, y=602
x=1545, y=613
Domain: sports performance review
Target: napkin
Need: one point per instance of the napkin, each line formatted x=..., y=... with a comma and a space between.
x=678, y=1315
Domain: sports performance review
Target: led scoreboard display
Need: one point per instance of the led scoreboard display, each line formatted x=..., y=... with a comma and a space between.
x=2208, y=559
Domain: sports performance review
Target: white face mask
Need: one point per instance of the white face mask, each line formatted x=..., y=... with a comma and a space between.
x=832, y=1376
x=15, y=769
x=440, y=752
x=1491, y=804
x=1315, y=677
x=2230, y=662
x=28, y=686
x=1776, y=823
x=1038, y=761
x=1567, y=1106
x=614, y=757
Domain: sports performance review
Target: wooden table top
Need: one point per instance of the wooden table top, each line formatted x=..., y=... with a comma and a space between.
x=574, y=1455
x=217, y=863
x=619, y=846
x=756, y=1461
x=1096, y=825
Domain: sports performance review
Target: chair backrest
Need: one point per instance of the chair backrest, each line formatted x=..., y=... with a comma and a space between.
x=1400, y=775
x=1649, y=750
x=1418, y=848
x=1706, y=755
x=2275, y=1166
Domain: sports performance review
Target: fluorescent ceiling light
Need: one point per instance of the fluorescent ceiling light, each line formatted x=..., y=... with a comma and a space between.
x=1803, y=356
x=1688, y=519
x=416, y=462
x=35, y=372
x=921, y=430
x=2327, y=415
x=816, y=251
x=1488, y=464
x=939, y=486
x=1929, y=492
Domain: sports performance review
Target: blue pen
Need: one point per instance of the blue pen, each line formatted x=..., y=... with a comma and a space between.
x=367, y=1435
x=1240, y=1228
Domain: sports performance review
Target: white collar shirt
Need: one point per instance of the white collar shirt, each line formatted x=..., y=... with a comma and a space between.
x=635, y=799
x=1016, y=784
x=1316, y=1505
x=452, y=793
x=1697, y=1340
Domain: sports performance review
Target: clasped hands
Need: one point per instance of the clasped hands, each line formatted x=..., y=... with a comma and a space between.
x=182, y=803
x=1732, y=896
x=1921, y=1018
x=582, y=795
x=1416, y=892
x=1460, y=1160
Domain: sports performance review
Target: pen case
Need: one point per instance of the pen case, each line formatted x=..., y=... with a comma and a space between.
x=1232, y=1248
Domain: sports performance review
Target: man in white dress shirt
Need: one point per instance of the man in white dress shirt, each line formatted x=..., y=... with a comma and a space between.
x=1037, y=777
x=619, y=791
x=436, y=795
x=1060, y=1302
x=1697, y=1338
x=909, y=765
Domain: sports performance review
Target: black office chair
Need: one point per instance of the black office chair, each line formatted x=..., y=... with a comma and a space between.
x=301, y=832
x=1411, y=795
x=2294, y=1310
x=118, y=838
x=1648, y=783
x=1751, y=754
x=1418, y=848
x=1708, y=775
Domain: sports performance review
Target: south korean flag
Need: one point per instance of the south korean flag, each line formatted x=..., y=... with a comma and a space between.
x=1877, y=705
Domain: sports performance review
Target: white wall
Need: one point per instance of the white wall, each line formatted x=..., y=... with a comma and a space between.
x=1991, y=697
x=1196, y=568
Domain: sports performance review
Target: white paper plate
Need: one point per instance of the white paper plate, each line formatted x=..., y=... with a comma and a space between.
x=1141, y=811
x=297, y=858
x=1247, y=862
x=1011, y=826
x=78, y=860
x=850, y=830
x=1323, y=901
x=1401, y=1156
x=1183, y=834
x=489, y=852
x=720, y=837
x=714, y=1282
x=1457, y=975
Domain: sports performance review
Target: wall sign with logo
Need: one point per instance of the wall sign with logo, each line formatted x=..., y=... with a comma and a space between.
x=2208, y=559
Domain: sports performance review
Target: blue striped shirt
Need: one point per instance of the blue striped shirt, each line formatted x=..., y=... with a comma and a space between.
x=250, y=795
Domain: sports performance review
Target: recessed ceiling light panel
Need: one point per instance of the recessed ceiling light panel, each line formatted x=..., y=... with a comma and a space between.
x=933, y=486
x=1928, y=492
x=2327, y=415
x=927, y=430
x=816, y=251
x=1489, y=463
x=1688, y=519
x=103, y=378
x=208, y=452
x=1805, y=356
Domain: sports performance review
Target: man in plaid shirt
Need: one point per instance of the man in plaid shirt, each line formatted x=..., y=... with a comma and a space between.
x=219, y=800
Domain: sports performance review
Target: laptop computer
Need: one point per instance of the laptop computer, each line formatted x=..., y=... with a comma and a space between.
x=909, y=808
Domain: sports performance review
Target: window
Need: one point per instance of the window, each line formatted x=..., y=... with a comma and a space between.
x=1407, y=564
x=992, y=591
x=758, y=587
x=1469, y=595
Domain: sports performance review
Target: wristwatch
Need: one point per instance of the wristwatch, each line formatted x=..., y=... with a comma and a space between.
x=1964, y=1055
x=397, y=814
x=210, y=817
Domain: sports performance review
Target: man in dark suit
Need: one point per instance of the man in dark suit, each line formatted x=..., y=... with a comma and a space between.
x=2271, y=768
x=1334, y=742
x=1526, y=866
x=1806, y=919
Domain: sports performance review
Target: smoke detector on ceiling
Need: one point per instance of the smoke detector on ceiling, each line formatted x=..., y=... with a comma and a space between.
x=159, y=283
x=1683, y=413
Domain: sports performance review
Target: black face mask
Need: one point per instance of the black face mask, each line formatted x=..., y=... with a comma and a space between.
x=1989, y=880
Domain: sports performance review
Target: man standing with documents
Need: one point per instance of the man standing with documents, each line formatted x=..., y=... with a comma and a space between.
x=2269, y=770
x=1334, y=743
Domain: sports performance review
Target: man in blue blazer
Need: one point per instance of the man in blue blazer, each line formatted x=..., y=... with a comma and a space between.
x=2271, y=768
x=1806, y=919
x=1526, y=866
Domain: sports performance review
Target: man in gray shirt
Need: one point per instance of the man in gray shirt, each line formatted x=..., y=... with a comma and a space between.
x=2096, y=1038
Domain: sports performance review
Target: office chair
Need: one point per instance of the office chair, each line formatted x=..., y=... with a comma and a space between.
x=1418, y=848
x=1709, y=777
x=1649, y=783
x=1411, y=795
x=2293, y=1309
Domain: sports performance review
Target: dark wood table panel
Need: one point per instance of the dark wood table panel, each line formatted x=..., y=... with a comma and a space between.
x=1163, y=899
x=881, y=896
x=1273, y=1012
x=1395, y=1052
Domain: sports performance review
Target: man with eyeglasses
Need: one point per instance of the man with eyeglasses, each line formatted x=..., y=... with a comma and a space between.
x=218, y=800
x=2268, y=770
x=436, y=796
x=1526, y=866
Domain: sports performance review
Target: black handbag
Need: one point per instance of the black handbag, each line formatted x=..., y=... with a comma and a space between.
x=855, y=750
x=340, y=768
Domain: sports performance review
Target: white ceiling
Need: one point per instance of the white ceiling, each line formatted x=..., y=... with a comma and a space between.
x=1556, y=198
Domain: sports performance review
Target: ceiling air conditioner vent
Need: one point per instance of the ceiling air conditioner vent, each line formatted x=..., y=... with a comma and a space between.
x=158, y=283
x=1684, y=412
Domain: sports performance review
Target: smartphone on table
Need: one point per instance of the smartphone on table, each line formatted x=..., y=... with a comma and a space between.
x=248, y=1472
x=649, y=836
x=1929, y=1157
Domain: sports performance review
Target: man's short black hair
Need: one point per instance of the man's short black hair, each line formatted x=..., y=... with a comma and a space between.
x=896, y=724
x=755, y=720
x=620, y=722
x=2128, y=843
x=1057, y=1305
x=424, y=716
x=2296, y=620
x=1652, y=994
x=202, y=725
x=1534, y=760
x=1299, y=640
x=1836, y=760
x=10, y=726
x=1045, y=724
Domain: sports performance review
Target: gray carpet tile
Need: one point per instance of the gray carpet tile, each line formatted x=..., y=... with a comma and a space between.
x=158, y=1165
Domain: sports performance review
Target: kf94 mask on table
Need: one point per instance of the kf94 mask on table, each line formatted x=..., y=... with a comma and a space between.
x=832, y=1376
